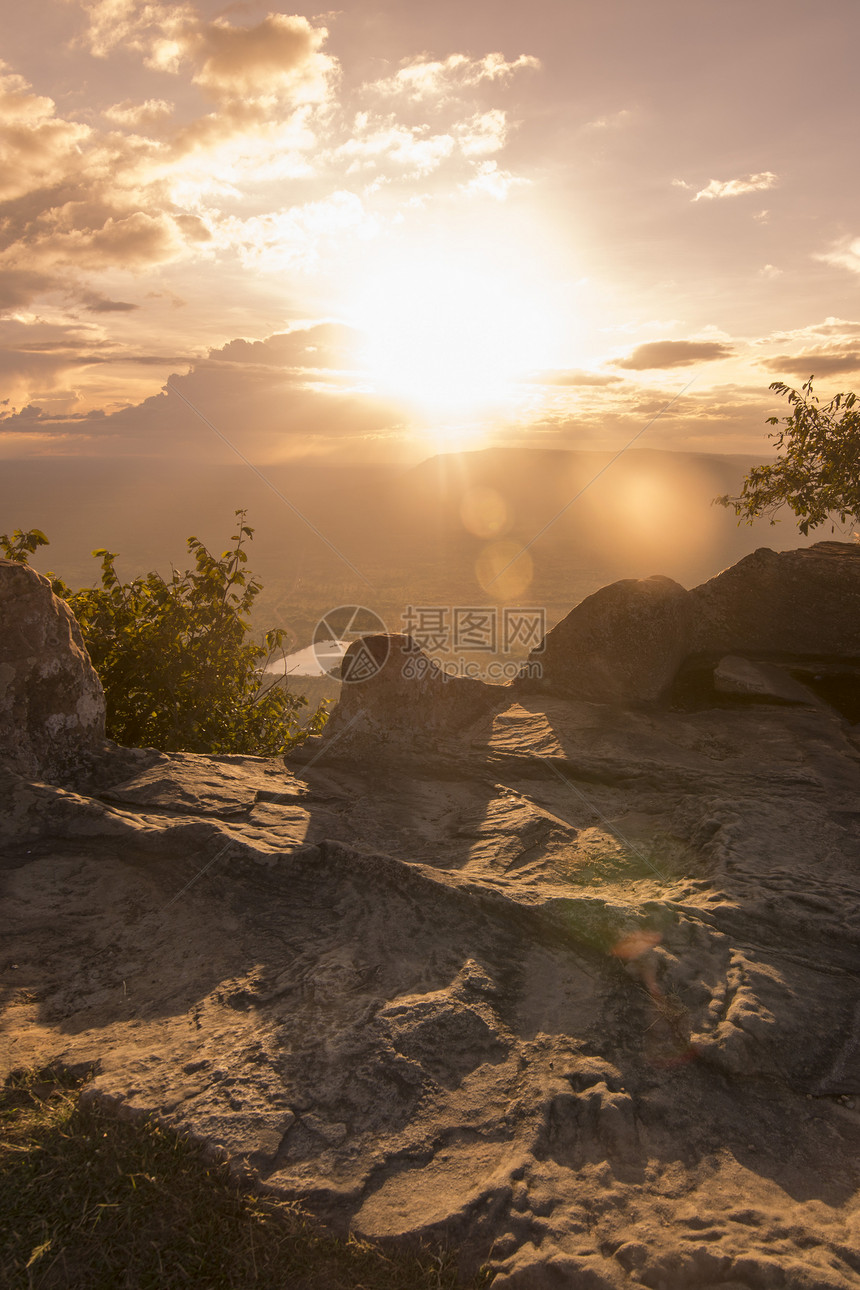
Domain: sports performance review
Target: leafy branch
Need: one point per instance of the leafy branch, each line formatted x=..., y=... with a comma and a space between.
x=818, y=473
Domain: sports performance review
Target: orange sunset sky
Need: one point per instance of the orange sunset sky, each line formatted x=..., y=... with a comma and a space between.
x=396, y=227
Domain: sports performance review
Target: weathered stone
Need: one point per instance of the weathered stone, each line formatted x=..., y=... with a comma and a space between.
x=735, y=675
x=393, y=693
x=624, y=644
x=52, y=710
x=580, y=998
x=798, y=602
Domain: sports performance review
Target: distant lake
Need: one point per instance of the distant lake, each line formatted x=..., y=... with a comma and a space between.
x=313, y=660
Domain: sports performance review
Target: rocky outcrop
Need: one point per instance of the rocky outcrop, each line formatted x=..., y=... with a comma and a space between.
x=579, y=997
x=782, y=602
x=623, y=644
x=627, y=642
x=52, y=710
x=393, y=694
x=739, y=676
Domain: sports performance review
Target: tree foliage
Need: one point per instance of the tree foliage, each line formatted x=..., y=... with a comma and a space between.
x=818, y=473
x=173, y=655
x=20, y=546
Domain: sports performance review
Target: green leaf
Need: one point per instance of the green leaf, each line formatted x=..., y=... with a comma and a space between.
x=817, y=474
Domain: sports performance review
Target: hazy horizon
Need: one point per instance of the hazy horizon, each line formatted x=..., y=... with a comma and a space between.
x=387, y=538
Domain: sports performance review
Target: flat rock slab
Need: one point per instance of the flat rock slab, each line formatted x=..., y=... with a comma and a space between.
x=740, y=676
x=576, y=990
x=208, y=786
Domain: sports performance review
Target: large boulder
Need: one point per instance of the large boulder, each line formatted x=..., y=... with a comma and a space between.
x=624, y=644
x=393, y=692
x=52, y=708
x=788, y=603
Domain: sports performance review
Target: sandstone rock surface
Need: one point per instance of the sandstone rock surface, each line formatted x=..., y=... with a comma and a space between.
x=798, y=602
x=623, y=643
x=626, y=642
x=394, y=694
x=734, y=675
x=52, y=711
x=575, y=989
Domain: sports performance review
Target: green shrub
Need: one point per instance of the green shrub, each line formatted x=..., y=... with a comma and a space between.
x=178, y=669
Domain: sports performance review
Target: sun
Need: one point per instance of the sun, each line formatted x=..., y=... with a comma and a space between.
x=449, y=330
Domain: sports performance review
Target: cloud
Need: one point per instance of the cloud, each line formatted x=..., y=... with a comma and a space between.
x=490, y=181
x=130, y=241
x=614, y=121
x=573, y=378
x=280, y=54
x=385, y=143
x=673, y=353
x=74, y=200
x=150, y=182
x=832, y=329
x=119, y=22
x=296, y=238
x=18, y=286
x=95, y=303
x=845, y=254
x=322, y=346
x=733, y=187
x=139, y=116
x=38, y=364
x=257, y=76
x=409, y=149
x=484, y=133
x=265, y=396
x=820, y=362
x=423, y=78
x=36, y=147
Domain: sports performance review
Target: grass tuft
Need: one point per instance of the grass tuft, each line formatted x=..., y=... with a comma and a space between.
x=88, y=1200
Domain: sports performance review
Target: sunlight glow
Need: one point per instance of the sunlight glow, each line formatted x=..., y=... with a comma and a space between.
x=451, y=331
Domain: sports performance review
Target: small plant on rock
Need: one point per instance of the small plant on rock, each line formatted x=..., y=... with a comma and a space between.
x=178, y=670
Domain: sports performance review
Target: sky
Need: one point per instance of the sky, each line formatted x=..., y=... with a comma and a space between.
x=400, y=228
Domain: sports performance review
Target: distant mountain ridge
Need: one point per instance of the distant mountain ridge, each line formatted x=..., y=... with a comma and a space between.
x=414, y=534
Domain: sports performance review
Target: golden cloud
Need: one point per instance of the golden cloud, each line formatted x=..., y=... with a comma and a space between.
x=845, y=254
x=131, y=241
x=573, y=377
x=36, y=147
x=140, y=116
x=816, y=362
x=673, y=353
x=280, y=54
x=329, y=346
x=423, y=78
x=735, y=187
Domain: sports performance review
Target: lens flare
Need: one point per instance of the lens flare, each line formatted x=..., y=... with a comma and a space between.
x=504, y=570
x=484, y=512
